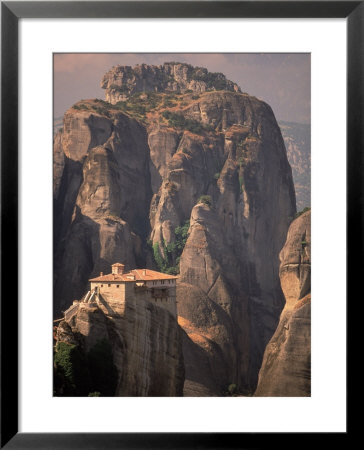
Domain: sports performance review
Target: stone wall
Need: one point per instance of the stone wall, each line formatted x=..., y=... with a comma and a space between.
x=146, y=342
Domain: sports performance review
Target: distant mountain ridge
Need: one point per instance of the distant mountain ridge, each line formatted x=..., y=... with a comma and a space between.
x=297, y=139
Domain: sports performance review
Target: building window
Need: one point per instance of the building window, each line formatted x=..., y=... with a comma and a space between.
x=162, y=282
x=102, y=285
x=117, y=285
x=109, y=285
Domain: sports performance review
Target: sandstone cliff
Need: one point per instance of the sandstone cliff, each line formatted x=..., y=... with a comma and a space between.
x=230, y=262
x=286, y=367
x=58, y=162
x=145, y=340
x=103, y=197
x=136, y=171
x=122, y=81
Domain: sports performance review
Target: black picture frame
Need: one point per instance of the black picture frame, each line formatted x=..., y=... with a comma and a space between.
x=11, y=12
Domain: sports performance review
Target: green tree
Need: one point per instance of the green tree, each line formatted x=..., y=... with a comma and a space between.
x=181, y=234
x=158, y=258
x=71, y=376
x=168, y=260
x=206, y=199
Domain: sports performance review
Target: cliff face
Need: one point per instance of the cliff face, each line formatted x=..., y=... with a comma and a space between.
x=122, y=81
x=58, y=162
x=136, y=171
x=286, y=367
x=230, y=261
x=145, y=340
x=102, y=198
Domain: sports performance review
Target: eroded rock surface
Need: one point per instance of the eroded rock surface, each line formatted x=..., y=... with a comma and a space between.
x=137, y=170
x=122, y=81
x=146, y=343
x=286, y=367
x=231, y=255
x=58, y=162
x=103, y=199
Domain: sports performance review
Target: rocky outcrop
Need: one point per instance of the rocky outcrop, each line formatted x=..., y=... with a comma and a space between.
x=136, y=171
x=146, y=343
x=103, y=198
x=163, y=144
x=122, y=81
x=231, y=256
x=286, y=367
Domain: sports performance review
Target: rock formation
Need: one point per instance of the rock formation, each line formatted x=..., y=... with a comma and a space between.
x=231, y=255
x=145, y=340
x=286, y=367
x=122, y=81
x=138, y=169
x=58, y=162
x=103, y=198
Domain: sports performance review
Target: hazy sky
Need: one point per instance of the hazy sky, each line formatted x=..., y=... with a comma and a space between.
x=282, y=80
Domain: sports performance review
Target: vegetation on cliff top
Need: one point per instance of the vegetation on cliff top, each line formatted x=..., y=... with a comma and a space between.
x=140, y=104
x=176, y=120
x=206, y=200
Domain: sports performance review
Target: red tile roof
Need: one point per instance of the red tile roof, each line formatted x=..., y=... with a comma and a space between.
x=150, y=275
